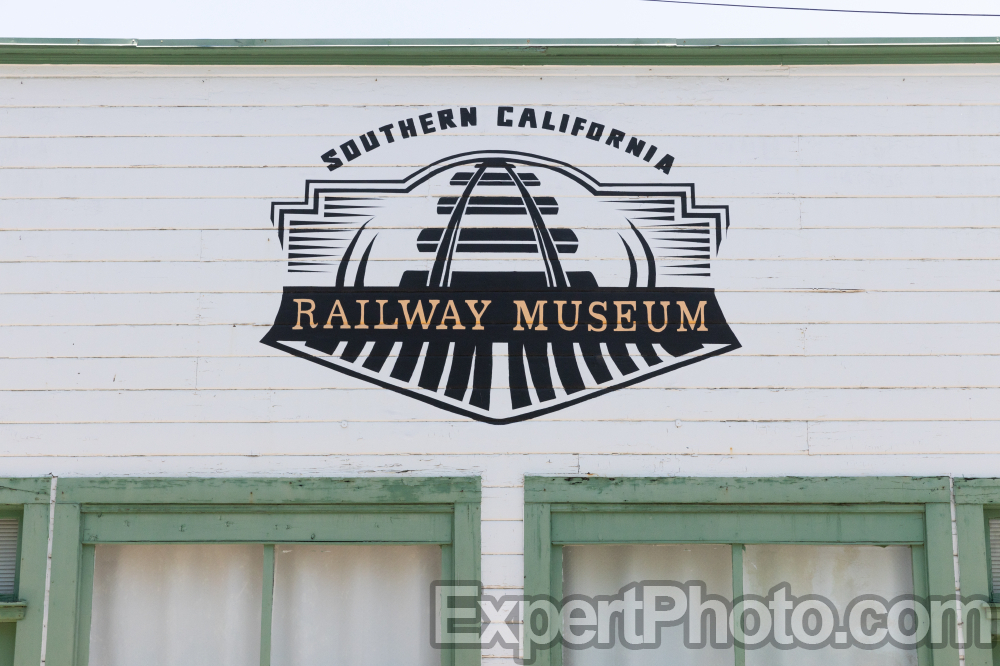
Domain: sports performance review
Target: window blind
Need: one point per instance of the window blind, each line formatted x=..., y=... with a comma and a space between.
x=8, y=555
x=995, y=557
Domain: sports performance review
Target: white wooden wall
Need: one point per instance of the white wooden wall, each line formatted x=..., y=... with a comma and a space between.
x=139, y=270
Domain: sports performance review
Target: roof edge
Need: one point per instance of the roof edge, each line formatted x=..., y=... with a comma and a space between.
x=501, y=51
x=273, y=43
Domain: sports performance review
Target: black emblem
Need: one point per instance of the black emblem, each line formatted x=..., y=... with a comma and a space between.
x=500, y=285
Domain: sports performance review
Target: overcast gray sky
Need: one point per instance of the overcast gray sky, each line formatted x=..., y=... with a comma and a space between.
x=369, y=19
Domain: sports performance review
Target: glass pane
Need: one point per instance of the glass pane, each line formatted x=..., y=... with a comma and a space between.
x=840, y=574
x=601, y=570
x=197, y=605
x=353, y=605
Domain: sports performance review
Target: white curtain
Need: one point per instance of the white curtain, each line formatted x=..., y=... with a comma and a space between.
x=354, y=605
x=839, y=573
x=165, y=605
x=599, y=570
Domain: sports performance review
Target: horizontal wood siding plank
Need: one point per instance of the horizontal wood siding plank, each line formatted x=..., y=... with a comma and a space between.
x=503, y=574
x=301, y=151
x=448, y=436
x=504, y=537
x=717, y=181
x=241, y=341
x=497, y=472
x=823, y=305
x=827, y=275
x=914, y=438
x=270, y=117
x=501, y=467
x=791, y=212
x=417, y=87
x=261, y=245
x=439, y=434
x=276, y=373
x=503, y=503
x=691, y=404
x=852, y=464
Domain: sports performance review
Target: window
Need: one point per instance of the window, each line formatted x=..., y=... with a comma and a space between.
x=10, y=608
x=836, y=537
x=977, y=512
x=24, y=511
x=240, y=572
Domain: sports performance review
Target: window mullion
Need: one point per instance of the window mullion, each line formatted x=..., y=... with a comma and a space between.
x=739, y=652
x=921, y=590
x=64, y=586
x=537, y=554
x=940, y=566
x=556, y=591
x=31, y=583
x=87, y=558
x=447, y=574
x=267, y=605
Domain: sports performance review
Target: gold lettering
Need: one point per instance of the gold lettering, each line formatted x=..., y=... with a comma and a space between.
x=604, y=322
x=308, y=313
x=478, y=315
x=539, y=310
x=649, y=315
x=457, y=326
x=362, y=324
x=337, y=311
x=418, y=311
x=686, y=314
x=624, y=316
x=559, y=305
x=381, y=317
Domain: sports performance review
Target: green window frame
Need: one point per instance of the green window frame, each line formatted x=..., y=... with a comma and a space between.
x=822, y=510
x=976, y=502
x=396, y=511
x=27, y=500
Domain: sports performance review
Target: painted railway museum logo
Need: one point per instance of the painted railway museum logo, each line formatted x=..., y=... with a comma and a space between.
x=500, y=284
